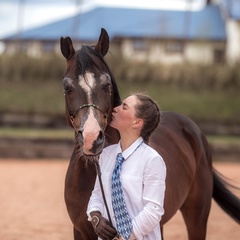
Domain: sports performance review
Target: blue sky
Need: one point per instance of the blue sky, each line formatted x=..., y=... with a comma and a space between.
x=19, y=15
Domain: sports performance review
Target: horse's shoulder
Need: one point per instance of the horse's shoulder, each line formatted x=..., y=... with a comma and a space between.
x=171, y=118
x=189, y=129
x=175, y=115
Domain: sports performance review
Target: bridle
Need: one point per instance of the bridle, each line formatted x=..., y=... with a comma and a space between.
x=96, y=157
x=86, y=105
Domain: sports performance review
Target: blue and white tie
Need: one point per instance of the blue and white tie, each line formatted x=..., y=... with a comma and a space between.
x=123, y=220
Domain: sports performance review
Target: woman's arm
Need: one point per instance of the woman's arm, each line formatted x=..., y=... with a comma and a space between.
x=101, y=225
x=96, y=201
x=153, y=198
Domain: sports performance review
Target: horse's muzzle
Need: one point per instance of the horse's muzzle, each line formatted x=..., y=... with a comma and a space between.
x=91, y=146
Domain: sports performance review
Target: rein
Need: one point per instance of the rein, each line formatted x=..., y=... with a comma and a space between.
x=96, y=162
x=96, y=159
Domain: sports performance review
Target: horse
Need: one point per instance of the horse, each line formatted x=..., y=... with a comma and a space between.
x=91, y=93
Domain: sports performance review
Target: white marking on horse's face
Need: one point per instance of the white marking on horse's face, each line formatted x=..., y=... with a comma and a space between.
x=68, y=80
x=87, y=84
x=91, y=127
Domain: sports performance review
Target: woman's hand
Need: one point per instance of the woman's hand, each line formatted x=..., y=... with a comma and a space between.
x=102, y=226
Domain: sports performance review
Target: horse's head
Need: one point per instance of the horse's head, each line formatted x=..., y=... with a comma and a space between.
x=90, y=92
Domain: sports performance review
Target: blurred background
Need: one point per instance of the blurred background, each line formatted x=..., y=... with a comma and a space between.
x=184, y=53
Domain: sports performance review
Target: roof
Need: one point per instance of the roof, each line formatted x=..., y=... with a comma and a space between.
x=233, y=8
x=134, y=23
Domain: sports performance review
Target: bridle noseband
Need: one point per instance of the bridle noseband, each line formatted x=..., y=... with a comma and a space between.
x=96, y=161
x=72, y=117
x=94, y=106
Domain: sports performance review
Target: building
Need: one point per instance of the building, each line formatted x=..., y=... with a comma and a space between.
x=162, y=36
x=231, y=14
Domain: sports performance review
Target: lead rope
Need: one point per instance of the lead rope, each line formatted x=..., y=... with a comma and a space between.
x=96, y=162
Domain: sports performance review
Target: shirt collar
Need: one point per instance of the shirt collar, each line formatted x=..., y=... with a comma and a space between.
x=126, y=153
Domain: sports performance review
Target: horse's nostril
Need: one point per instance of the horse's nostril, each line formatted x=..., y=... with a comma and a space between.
x=100, y=138
x=80, y=134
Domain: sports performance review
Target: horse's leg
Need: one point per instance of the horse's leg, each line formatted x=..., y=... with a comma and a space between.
x=196, y=207
x=196, y=221
x=161, y=228
x=76, y=234
x=86, y=233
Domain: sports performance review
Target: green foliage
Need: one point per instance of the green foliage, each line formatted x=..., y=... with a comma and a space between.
x=190, y=76
x=201, y=105
x=34, y=85
x=38, y=96
x=31, y=85
x=25, y=68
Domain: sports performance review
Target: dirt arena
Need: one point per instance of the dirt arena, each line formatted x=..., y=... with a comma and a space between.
x=32, y=205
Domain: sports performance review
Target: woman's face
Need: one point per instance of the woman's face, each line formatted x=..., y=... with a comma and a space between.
x=123, y=116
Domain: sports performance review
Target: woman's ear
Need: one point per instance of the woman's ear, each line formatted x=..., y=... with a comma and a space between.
x=138, y=123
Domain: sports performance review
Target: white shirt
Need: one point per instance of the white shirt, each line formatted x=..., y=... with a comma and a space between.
x=143, y=182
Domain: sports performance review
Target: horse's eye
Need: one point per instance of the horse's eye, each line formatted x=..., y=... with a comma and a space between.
x=105, y=81
x=68, y=89
x=106, y=86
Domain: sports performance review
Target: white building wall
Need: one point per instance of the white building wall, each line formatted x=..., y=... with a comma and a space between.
x=201, y=52
x=34, y=49
x=10, y=48
x=128, y=51
x=233, y=43
x=158, y=54
x=155, y=54
x=195, y=52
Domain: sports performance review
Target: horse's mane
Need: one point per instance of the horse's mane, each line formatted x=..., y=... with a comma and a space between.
x=88, y=60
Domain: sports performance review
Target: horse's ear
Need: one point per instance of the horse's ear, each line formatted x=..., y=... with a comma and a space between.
x=103, y=43
x=67, y=48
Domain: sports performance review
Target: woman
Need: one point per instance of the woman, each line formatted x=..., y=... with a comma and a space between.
x=140, y=196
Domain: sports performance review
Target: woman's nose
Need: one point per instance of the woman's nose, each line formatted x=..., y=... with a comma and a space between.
x=115, y=109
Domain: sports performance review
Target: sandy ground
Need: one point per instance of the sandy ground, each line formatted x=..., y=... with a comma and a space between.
x=32, y=205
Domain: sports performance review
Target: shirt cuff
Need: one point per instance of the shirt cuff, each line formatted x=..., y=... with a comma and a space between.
x=92, y=210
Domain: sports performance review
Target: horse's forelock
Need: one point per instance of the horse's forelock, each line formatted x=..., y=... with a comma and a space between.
x=88, y=59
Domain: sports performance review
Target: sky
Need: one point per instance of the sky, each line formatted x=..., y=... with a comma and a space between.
x=20, y=15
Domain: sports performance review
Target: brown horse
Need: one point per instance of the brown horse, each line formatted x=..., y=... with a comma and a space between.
x=91, y=94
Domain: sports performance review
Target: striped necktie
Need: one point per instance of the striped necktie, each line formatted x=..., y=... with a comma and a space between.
x=123, y=220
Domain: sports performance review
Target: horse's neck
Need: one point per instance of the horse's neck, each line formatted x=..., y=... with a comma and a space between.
x=79, y=183
x=112, y=135
x=79, y=170
x=79, y=167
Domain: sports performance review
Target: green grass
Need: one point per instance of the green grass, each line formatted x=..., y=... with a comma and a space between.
x=32, y=97
x=203, y=92
x=203, y=104
x=37, y=133
x=46, y=97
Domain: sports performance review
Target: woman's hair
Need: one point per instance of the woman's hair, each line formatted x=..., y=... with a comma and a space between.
x=148, y=111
